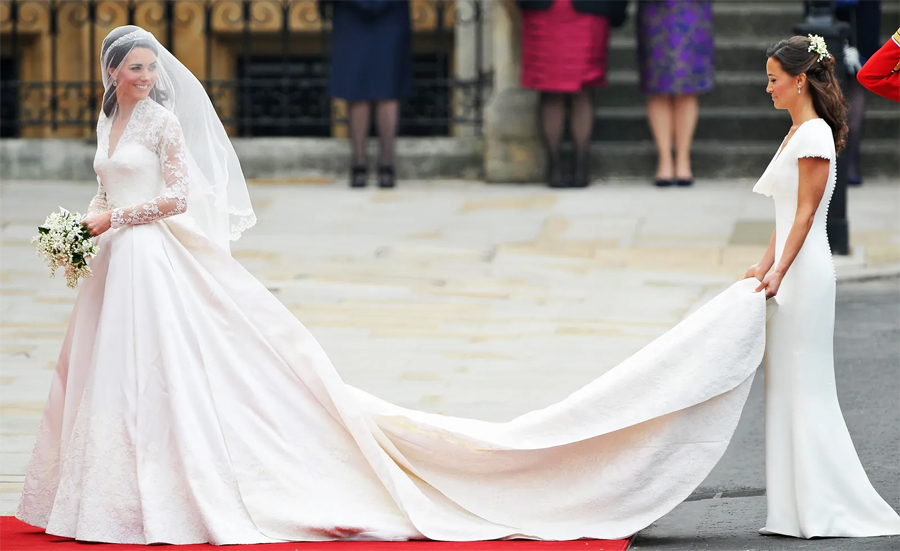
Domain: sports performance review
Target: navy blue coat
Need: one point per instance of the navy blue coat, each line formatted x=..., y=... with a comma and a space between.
x=371, y=50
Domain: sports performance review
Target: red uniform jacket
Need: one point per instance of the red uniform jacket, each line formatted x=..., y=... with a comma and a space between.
x=881, y=74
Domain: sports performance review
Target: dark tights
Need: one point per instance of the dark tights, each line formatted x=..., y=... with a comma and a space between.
x=387, y=113
x=581, y=121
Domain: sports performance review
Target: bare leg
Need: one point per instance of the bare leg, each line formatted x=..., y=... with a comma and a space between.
x=553, y=111
x=582, y=124
x=686, y=113
x=856, y=118
x=660, y=113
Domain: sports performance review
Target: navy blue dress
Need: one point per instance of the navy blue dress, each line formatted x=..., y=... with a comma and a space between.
x=371, y=57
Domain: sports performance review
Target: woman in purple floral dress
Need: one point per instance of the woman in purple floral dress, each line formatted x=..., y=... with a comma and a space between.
x=675, y=50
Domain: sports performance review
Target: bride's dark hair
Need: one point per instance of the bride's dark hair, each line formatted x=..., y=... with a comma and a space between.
x=116, y=56
x=828, y=100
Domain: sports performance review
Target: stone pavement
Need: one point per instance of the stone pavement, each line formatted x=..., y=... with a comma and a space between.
x=448, y=296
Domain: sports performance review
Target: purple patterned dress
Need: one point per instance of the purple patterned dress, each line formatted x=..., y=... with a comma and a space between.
x=675, y=46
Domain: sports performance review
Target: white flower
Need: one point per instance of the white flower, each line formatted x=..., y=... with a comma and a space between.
x=63, y=242
x=817, y=44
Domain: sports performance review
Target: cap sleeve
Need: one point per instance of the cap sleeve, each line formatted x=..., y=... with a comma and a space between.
x=815, y=140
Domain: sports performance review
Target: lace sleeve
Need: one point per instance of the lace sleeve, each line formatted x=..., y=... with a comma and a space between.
x=98, y=203
x=173, y=161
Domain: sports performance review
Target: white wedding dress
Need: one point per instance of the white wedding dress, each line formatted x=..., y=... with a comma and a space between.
x=815, y=483
x=189, y=406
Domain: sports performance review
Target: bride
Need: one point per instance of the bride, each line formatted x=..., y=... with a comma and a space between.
x=190, y=406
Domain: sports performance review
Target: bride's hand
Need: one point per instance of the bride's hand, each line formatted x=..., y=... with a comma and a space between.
x=755, y=271
x=771, y=282
x=98, y=223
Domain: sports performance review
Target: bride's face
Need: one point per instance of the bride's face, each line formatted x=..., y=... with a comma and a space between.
x=137, y=75
x=782, y=86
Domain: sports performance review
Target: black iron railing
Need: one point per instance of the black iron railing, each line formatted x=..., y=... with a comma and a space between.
x=264, y=63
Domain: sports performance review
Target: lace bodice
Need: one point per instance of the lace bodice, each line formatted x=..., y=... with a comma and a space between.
x=144, y=179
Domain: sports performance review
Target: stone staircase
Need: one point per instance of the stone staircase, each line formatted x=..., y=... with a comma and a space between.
x=738, y=130
x=737, y=134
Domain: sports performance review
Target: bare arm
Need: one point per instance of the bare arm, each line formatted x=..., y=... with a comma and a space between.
x=761, y=268
x=814, y=172
x=813, y=179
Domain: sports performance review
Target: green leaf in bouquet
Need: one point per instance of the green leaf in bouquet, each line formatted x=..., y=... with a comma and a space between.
x=43, y=230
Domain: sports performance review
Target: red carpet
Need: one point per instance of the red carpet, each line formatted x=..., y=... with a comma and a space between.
x=18, y=536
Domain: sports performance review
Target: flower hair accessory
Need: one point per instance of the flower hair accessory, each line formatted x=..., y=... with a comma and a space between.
x=817, y=44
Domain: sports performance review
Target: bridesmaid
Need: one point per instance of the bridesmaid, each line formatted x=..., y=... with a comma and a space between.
x=815, y=484
x=675, y=52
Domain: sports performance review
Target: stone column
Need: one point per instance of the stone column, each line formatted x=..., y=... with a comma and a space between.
x=513, y=150
x=472, y=54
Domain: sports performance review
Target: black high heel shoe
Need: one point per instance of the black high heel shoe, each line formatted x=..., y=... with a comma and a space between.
x=359, y=176
x=386, y=176
x=554, y=175
x=581, y=176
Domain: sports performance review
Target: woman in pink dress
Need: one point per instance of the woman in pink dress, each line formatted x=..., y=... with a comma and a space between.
x=564, y=52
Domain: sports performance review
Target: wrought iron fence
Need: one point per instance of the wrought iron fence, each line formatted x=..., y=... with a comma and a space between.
x=264, y=63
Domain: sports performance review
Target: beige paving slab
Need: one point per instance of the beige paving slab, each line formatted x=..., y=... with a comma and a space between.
x=455, y=297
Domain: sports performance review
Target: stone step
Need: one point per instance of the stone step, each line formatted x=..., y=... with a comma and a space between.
x=725, y=124
x=740, y=56
x=731, y=53
x=310, y=160
x=740, y=18
x=714, y=159
x=774, y=19
x=732, y=89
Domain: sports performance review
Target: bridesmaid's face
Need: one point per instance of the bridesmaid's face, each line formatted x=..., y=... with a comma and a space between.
x=781, y=85
x=137, y=75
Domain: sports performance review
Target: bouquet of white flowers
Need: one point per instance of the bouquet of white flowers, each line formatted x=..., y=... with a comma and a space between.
x=63, y=242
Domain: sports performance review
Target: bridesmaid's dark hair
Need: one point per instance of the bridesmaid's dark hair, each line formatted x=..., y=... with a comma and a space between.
x=117, y=56
x=828, y=99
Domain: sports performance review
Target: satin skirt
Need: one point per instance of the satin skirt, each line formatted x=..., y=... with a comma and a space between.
x=189, y=405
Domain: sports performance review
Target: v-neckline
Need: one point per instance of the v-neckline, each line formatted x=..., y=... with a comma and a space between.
x=788, y=139
x=109, y=154
x=763, y=185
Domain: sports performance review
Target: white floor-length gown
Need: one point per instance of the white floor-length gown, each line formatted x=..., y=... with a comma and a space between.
x=189, y=406
x=815, y=483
